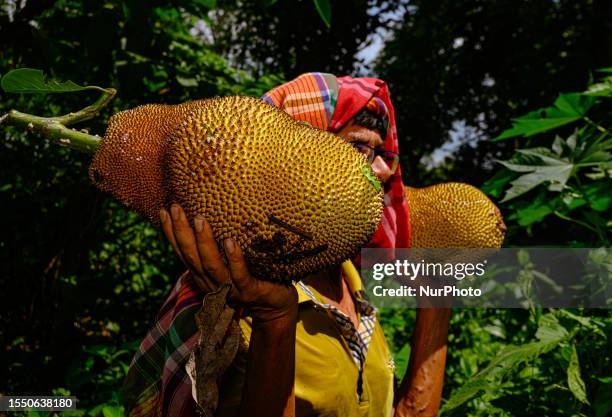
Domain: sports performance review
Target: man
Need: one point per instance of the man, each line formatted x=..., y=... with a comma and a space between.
x=315, y=348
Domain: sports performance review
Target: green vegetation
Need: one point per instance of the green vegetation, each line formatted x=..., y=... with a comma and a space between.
x=540, y=362
x=81, y=278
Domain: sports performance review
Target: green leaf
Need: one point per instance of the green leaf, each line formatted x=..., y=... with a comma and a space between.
x=517, y=167
x=558, y=175
x=550, y=330
x=566, y=109
x=595, y=152
x=187, y=82
x=495, y=186
x=535, y=210
x=550, y=333
x=509, y=358
x=369, y=174
x=574, y=380
x=28, y=80
x=599, y=196
x=112, y=411
x=324, y=9
x=603, y=399
x=599, y=90
x=543, y=155
x=102, y=351
x=401, y=361
x=540, y=166
x=590, y=323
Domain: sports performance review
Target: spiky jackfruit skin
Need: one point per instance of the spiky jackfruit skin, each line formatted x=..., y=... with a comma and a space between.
x=297, y=199
x=453, y=215
x=129, y=161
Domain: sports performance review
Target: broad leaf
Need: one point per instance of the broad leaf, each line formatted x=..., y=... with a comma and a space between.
x=28, y=80
x=535, y=210
x=598, y=195
x=595, y=152
x=603, y=89
x=540, y=166
x=566, y=109
x=324, y=9
x=550, y=333
x=550, y=330
x=517, y=167
x=574, y=379
x=496, y=185
x=558, y=175
x=603, y=400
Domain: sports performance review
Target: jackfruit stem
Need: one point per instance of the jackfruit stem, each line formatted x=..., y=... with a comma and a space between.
x=54, y=128
x=88, y=112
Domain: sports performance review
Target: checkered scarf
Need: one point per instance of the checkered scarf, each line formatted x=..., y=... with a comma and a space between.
x=157, y=383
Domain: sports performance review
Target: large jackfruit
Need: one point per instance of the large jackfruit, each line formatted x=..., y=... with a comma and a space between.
x=453, y=215
x=297, y=199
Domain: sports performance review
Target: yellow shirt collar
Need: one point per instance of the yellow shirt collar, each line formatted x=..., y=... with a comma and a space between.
x=351, y=276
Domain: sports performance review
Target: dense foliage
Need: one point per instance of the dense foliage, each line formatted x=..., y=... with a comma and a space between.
x=541, y=362
x=467, y=67
x=81, y=278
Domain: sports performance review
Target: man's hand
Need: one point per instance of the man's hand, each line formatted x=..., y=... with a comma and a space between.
x=196, y=247
x=270, y=373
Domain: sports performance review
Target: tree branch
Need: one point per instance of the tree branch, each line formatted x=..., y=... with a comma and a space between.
x=54, y=128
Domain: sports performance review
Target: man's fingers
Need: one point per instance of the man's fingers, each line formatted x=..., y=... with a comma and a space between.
x=166, y=224
x=185, y=239
x=209, y=252
x=237, y=265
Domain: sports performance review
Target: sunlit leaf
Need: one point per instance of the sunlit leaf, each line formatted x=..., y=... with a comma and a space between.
x=574, y=379
x=187, y=82
x=550, y=330
x=550, y=333
x=566, y=109
x=112, y=411
x=558, y=174
x=603, y=89
x=28, y=80
x=544, y=167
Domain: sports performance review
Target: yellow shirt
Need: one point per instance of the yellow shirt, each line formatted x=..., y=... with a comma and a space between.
x=326, y=374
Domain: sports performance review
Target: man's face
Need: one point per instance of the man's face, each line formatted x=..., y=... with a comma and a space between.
x=355, y=133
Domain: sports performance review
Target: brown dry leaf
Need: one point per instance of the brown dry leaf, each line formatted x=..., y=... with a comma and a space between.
x=216, y=348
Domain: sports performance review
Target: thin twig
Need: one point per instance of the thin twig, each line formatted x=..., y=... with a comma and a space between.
x=88, y=112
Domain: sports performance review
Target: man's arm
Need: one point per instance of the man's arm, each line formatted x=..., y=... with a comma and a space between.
x=268, y=389
x=421, y=389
